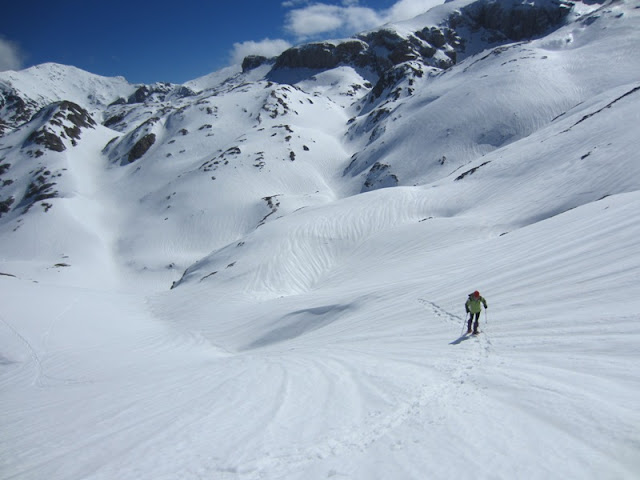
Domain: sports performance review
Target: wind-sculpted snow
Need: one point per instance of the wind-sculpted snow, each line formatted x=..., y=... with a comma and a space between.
x=290, y=255
x=362, y=372
x=321, y=230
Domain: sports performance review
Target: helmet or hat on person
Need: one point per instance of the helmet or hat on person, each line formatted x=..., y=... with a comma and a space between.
x=476, y=294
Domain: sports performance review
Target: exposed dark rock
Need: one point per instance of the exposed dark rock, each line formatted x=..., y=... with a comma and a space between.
x=141, y=147
x=394, y=76
x=5, y=205
x=433, y=36
x=40, y=188
x=379, y=51
x=609, y=105
x=391, y=49
x=206, y=276
x=253, y=61
x=384, y=49
x=471, y=171
x=14, y=109
x=109, y=144
x=140, y=95
x=513, y=21
x=277, y=103
x=379, y=176
x=159, y=92
x=119, y=101
x=47, y=139
x=273, y=203
x=75, y=114
x=61, y=120
x=181, y=92
x=322, y=55
x=111, y=121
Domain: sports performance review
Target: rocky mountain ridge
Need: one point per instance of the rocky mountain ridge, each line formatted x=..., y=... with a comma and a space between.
x=388, y=56
x=438, y=98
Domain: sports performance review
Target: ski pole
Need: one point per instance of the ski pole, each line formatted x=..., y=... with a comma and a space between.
x=464, y=321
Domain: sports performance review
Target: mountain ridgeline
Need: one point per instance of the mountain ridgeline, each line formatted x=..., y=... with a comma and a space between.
x=433, y=99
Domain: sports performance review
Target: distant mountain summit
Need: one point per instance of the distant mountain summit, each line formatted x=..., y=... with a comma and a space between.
x=437, y=39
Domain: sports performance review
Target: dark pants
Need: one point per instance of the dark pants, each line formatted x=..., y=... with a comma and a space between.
x=475, y=325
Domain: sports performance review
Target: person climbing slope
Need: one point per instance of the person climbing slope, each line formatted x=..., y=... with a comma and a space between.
x=473, y=306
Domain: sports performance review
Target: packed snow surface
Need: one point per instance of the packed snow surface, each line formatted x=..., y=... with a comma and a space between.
x=315, y=329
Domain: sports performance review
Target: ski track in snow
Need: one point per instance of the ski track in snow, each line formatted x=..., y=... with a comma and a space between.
x=410, y=409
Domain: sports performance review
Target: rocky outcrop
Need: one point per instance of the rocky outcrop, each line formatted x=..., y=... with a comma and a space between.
x=159, y=92
x=134, y=145
x=42, y=186
x=436, y=46
x=433, y=46
x=378, y=50
x=379, y=176
x=324, y=55
x=60, y=121
x=54, y=128
x=252, y=62
x=14, y=109
x=5, y=205
x=141, y=147
x=392, y=77
x=511, y=20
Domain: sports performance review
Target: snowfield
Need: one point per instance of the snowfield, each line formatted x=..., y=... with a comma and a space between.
x=363, y=376
x=245, y=301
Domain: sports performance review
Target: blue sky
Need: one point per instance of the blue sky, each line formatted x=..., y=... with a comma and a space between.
x=181, y=40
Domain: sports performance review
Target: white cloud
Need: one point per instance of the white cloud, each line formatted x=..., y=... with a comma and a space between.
x=406, y=9
x=267, y=48
x=11, y=57
x=360, y=18
x=306, y=19
x=294, y=3
x=314, y=19
x=322, y=18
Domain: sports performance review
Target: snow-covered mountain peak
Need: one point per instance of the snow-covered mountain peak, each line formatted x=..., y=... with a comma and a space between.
x=50, y=82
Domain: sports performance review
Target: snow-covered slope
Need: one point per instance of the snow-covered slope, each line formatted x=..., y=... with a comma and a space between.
x=262, y=274
x=23, y=93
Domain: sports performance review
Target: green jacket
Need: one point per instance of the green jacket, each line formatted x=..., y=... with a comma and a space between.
x=474, y=305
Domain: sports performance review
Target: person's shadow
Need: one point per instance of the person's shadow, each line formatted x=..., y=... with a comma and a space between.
x=460, y=340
